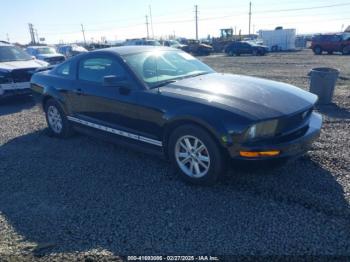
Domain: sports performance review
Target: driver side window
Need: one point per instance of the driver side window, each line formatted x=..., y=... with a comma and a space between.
x=96, y=68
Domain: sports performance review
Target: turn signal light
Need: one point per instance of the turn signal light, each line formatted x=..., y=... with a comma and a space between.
x=259, y=153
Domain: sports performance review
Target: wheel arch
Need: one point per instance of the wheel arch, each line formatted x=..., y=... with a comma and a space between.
x=181, y=121
x=47, y=97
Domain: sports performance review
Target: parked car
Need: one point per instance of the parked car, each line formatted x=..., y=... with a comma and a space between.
x=239, y=48
x=16, y=69
x=46, y=53
x=331, y=43
x=196, y=47
x=166, y=101
x=174, y=44
x=142, y=42
x=71, y=50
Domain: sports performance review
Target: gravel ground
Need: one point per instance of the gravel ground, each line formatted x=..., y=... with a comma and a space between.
x=83, y=198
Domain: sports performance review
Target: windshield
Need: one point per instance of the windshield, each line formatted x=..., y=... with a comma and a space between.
x=158, y=67
x=46, y=50
x=13, y=53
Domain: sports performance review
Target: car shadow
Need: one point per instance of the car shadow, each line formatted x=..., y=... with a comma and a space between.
x=334, y=111
x=14, y=104
x=82, y=193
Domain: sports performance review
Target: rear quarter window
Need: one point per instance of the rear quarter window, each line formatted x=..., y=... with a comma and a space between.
x=63, y=70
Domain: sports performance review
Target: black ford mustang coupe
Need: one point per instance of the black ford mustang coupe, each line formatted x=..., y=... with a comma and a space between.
x=164, y=100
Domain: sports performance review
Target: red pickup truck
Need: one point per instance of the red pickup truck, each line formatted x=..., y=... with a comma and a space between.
x=331, y=43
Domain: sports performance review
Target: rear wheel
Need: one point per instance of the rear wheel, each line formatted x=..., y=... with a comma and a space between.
x=57, y=121
x=317, y=50
x=255, y=52
x=196, y=155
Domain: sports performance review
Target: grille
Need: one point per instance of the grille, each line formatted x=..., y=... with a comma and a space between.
x=22, y=75
x=290, y=123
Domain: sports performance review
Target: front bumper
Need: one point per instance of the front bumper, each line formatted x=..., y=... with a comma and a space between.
x=288, y=149
x=14, y=89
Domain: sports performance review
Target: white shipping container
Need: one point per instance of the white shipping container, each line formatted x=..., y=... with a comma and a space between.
x=278, y=40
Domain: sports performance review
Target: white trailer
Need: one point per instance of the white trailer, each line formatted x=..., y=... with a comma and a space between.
x=279, y=39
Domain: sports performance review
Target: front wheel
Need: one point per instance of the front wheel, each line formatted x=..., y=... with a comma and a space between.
x=346, y=50
x=196, y=155
x=57, y=121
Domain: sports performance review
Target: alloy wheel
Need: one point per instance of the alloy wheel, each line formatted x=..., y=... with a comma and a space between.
x=192, y=156
x=54, y=118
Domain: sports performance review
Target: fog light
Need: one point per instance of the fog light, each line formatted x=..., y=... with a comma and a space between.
x=259, y=153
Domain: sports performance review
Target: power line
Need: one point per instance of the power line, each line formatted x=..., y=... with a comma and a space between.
x=301, y=9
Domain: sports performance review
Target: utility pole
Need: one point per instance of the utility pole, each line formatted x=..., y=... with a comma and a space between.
x=250, y=15
x=37, y=36
x=196, y=17
x=147, y=26
x=83, y=31
x=31, y=32
x=150, y=15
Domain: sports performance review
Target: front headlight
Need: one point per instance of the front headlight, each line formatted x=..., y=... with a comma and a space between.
x=5, y=77
x=262, y=130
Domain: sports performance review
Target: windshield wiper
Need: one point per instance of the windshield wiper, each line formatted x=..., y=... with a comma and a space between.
x=198, y=74
x=164, y=83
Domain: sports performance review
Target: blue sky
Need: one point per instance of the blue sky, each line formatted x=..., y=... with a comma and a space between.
x=116, y=20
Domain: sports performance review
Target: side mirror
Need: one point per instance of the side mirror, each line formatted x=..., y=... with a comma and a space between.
x=120, y=82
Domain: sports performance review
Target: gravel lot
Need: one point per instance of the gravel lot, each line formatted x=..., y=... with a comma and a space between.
x=85, y=198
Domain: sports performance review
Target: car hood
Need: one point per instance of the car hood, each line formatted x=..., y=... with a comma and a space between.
x=253, y=97
x=11, y=65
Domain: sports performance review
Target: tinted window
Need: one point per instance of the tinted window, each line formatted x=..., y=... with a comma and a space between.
x=95, y=69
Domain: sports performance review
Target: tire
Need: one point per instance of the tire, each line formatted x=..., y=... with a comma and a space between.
x=255, y=52
x=317, y=50
x=346, y=50
x=57, y=122
x=230, y=53
x=203, y=167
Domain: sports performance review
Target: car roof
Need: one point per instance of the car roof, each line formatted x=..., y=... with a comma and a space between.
x=126, y=50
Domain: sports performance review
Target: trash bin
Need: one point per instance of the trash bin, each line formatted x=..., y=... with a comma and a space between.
x=322, y=83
